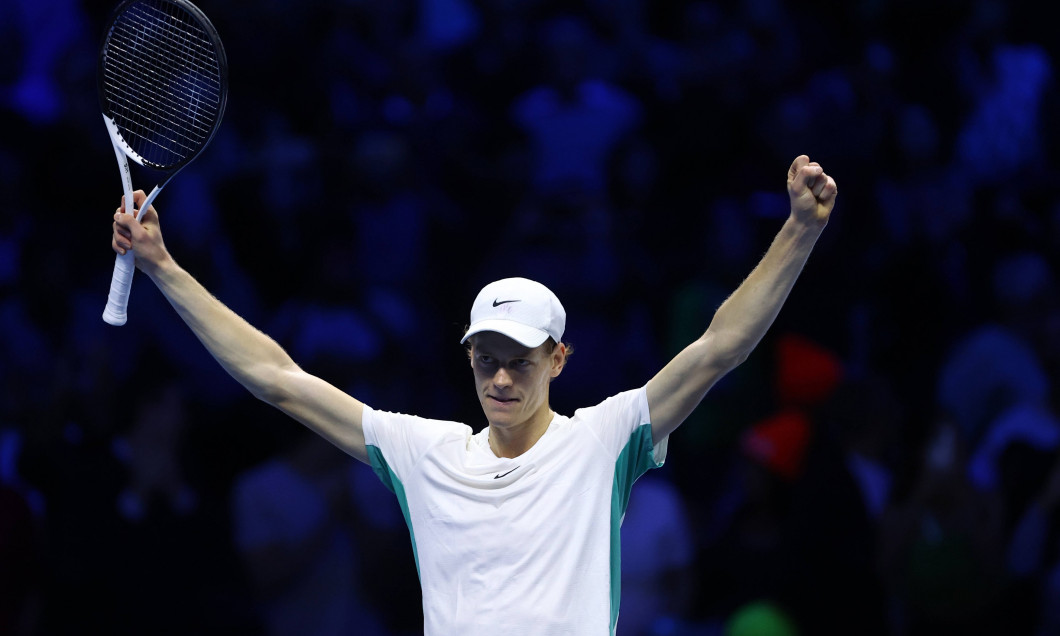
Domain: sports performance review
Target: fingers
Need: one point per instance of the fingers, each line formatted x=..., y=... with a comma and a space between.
x=822, y=187
x=148, y=216
x=803, y=173
x=809, y=177
x=119, y=242
x=121, y=239
x=137, y=228
x=121, y=225
x=818, y=183
x=797, y=165
x=811, y=190
x=139, y=197
x=138, y=200
x=825, y=188
x=123, y=222
x=806, y=174
x=118, y=247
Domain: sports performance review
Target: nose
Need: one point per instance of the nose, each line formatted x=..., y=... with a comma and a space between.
x=501, y=378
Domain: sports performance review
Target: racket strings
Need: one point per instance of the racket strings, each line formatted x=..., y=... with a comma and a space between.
x=164, y=59
x=169, y=98
x=162, y=82
x=133, y=65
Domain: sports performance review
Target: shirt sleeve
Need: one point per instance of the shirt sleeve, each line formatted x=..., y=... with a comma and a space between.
x=622, y=423
x=396, y=442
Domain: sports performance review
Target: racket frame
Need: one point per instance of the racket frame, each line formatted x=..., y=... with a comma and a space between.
x=116, y=311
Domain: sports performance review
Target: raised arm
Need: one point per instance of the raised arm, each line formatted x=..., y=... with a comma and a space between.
x=746, y=315
x=254, y=359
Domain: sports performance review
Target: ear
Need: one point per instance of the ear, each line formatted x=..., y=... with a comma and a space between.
x=559, y=359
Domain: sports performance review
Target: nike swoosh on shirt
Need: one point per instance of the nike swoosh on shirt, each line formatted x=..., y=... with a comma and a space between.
x=499, y=475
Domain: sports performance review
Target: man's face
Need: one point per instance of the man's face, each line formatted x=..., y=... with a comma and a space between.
x=513, y=380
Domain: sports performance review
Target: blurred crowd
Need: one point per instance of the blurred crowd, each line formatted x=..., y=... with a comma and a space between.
x=887, y=462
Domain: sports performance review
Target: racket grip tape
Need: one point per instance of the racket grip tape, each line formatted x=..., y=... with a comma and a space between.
x=120, y=286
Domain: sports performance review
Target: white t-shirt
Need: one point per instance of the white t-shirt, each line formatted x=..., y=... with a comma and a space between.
x=517, y=546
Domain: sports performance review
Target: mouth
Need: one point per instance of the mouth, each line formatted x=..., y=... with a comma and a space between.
x=499, y=400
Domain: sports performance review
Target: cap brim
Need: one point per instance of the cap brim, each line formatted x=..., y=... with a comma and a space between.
x=517, y=331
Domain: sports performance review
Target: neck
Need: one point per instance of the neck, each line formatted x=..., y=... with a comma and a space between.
x=513, y=441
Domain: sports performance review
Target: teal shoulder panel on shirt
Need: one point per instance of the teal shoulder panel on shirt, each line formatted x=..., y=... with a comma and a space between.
x=390, y=480
x=635, y=459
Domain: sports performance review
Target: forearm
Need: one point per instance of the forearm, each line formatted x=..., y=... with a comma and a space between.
x=255, y=360
x=747, y=314
x=251, y=357
x=737, y=327
x=745, y=317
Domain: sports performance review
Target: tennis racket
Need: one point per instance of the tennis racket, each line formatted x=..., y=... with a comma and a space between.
x=163, y=84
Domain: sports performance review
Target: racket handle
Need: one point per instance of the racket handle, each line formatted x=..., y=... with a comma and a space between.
x=120, y=286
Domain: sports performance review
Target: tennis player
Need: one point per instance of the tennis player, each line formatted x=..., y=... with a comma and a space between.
x=515, y=529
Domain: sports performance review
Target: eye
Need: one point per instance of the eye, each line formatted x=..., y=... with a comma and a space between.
x=484, y=359
x=521, y=362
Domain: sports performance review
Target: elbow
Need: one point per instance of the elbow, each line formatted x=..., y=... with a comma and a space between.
x=267, y=394
x=729, y=360
x=727, y=350
x=739, y=356
x=268, y=384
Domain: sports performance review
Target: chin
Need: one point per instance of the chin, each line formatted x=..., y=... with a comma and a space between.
x=499, y=417
x=503, y=418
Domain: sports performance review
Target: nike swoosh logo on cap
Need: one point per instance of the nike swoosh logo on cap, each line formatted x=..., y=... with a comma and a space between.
x=498, y=303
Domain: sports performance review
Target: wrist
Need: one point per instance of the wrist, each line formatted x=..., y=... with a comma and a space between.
x=801, y=229
x=807, y=221
x=159, y=268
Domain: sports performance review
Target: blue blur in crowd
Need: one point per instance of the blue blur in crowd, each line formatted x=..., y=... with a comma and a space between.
x=886, y=463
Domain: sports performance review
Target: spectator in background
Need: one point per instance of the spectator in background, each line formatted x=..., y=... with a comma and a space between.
x=573, y=121
x=994, y=372
x=755, y=556
x=574, y=118
x=942, y=545
x=293, y=530
x=165, y=522
x=1001, y=136
x=866, y=417
x=658, y=553
x=1034, y=558
x=54, y=30
x=151, y=452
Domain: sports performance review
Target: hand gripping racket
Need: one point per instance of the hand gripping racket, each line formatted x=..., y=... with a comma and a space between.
x=163, y=84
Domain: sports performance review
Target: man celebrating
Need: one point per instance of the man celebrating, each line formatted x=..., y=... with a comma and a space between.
x=515, y=529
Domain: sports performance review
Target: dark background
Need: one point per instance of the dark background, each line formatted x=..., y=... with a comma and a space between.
x=885, y=463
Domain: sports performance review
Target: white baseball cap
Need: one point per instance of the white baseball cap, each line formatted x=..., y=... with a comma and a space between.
x=524, y=310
